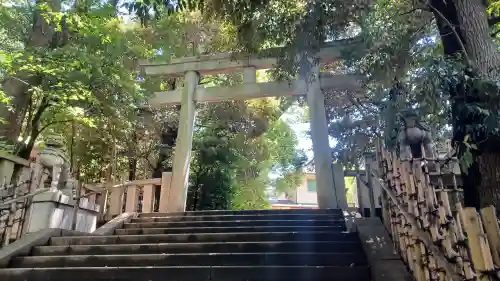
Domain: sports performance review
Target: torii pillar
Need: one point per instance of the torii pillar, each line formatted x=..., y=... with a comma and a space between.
x=330, y=195
x=182, y=155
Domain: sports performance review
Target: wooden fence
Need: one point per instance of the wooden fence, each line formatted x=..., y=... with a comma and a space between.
x=436, y=237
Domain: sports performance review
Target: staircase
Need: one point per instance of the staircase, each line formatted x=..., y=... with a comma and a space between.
x=272, y=245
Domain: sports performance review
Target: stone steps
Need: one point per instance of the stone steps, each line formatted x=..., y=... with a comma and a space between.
x=277, y=245
x=335, y=212
x=220, y=247
x=194, y=259
x=286, y=216
x=234, y=229
x=204, y=237
x=337, y=223
x=184, y=273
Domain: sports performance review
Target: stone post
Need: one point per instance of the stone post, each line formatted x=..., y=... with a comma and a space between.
x=309, y=82
x=147, y=198
x=10, y=165
x=166, y=184
x=339, y=185
x=183, y=145
x=359, y=193
x=369, y=159
x=249, y=75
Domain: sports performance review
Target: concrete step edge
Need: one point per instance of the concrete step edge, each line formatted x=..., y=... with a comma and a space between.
x=182, y=267
x=191, y=273
x=257, y=216
x=278, y=228
x=250, y=220
x=351, y=243
x=346, y=233
x=234, y=229
x=238, y=226
x=193, y=254
x=255, y=212
x=207, y=243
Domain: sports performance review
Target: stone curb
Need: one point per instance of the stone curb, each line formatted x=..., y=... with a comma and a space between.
x=23, y=246
x=385, y=263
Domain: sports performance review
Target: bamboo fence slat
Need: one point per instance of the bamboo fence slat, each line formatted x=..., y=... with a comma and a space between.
x=435, y=236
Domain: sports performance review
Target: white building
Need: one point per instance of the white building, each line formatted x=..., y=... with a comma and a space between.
x=305, y=196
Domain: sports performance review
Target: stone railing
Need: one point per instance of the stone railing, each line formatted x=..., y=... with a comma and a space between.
x=132, y=196
x=17, y=189
x=27, y=205
x=436, y=237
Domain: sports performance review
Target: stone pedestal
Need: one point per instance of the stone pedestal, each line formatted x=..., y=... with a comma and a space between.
x=55, y=210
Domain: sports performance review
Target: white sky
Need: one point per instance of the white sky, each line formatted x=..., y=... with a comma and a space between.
x=301, y=129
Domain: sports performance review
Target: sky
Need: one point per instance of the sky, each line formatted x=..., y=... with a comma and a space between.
x=301, y=129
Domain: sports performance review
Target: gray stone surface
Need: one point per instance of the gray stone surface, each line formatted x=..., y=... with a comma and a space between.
x=375, y=239
x=198, y=273
x=24, y=245
x=200, y=247
x=110, y=227
x=303, y=255
x=205, y=237
x=55, y=210
x=389, y=270
x=42, y=237
x=386, y=264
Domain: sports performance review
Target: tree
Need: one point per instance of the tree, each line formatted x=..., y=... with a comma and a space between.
x=464, y=59
x=42, y=35
x=474, y=98
x=86, y=87
x=238, y=144
x=400, y=43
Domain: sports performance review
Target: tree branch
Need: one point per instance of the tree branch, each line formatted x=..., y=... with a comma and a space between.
x=52, y=123
x=493, y=19
x=455, y=33
x=494, y=34
x=25, y=150
x=409, y=12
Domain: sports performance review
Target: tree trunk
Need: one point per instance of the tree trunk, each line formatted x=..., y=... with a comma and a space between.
x=480, y=48
x=132, y=157
x=489, y=166
x=17, y=87
x=25, y=149
x=471, y=39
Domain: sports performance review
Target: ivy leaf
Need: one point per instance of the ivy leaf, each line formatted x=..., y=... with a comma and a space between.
x=466, y=161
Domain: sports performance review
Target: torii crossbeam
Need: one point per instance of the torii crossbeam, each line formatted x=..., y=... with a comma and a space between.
x=329, y=195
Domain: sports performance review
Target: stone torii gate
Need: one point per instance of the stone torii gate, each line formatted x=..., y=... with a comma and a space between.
x=330, y=195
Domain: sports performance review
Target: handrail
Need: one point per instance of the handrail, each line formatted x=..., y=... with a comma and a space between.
x=103, y=187
x=20, y=198
x=6, y=187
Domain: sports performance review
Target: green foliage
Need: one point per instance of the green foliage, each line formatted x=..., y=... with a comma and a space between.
x=236, y=152
x=83, y=86
x=212, y=169
x=350, y=186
